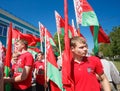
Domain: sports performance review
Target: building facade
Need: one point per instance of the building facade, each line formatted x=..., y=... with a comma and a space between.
x=24, y=27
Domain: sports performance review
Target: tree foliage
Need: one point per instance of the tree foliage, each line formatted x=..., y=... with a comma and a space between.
x=61, y=41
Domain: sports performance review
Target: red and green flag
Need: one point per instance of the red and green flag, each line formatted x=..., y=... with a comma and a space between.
x=66, y=62
x=99, y=36
x=85, y=14
x=102, y=36
x=60, y=22
x=31, y=39
x=8, y=57
x=53, y=72
x=42, y=31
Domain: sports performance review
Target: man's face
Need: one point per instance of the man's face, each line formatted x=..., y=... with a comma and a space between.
x=80, y=50
x=19, y=46
x=39, y=56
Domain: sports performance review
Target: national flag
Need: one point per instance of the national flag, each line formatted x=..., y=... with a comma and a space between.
x=60, y=22
x=66, y=62
x=75, y=30
x=99, y=36
x=31, y=39
x=52, y=69
x=102, y=36
x=85, y=15
x=8, y=56
x=42, y=30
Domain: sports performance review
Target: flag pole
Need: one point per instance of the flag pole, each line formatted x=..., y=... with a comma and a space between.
x=59, y=45
x=41, y=37
x=45, y=61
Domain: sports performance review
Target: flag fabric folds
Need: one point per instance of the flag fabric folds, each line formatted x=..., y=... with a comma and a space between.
x=84, y=13
x=31, y=39
x=8, y=56
x=52, y=69
x=60, y=22
x=66, y=62
x=99, y=36
x=42, y=31
x=102, y=36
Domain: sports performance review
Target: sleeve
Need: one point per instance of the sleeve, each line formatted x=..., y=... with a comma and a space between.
x=99, y=67
x=114, y=73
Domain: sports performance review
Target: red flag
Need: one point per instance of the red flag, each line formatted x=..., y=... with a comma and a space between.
x=9, y=47
x=84, y=13
x=42, y=30
x=102, y=36
x=52, y=69
x=66, y=63
x=31, y=39
x=8, y=56
x=61, y=24
x=16, y=34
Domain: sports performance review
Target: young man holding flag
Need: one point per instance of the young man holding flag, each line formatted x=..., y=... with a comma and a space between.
x=23, y=69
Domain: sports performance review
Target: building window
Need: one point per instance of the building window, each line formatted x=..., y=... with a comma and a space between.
x=18, y=28
x=37, y=36
x=3, y=30
x=27, y=32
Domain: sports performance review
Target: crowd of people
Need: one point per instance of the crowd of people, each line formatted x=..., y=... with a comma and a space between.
x=89, y=73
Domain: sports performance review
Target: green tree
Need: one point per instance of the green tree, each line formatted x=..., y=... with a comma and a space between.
x=61, y=41
x=115, y=40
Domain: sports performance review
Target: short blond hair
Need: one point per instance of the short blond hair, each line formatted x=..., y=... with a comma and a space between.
x=23, y=42
x=76, y=39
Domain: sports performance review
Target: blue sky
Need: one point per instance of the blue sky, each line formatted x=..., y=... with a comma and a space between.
x=33, y=11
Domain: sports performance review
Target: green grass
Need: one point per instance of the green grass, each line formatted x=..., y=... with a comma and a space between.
x=117, y=64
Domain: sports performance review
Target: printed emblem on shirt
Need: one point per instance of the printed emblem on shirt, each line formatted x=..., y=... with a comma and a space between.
x=89, y=70
x=19, y=68
x=40, y=70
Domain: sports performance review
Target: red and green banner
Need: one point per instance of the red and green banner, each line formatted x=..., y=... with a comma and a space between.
x=31, y=39
x=99, y=36
x=53, y=72
x=85, y=15
x=66, y=62
x=8, y=57
x=102, y=36
x=60, y=22
x=42, y=31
